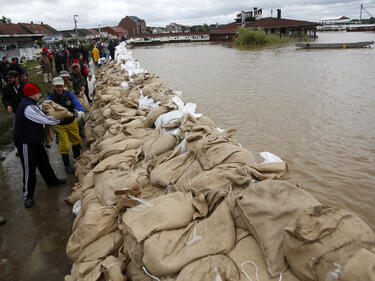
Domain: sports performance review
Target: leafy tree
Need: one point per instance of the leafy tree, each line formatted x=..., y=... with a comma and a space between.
x=5, y=20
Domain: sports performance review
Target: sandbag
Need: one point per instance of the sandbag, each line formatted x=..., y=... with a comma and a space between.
x=110, y=182
x=157, y=143
x=125, y=160
x=51, y=108
x=120, y=147
x=210, y=268
x=361, y=266
x=104, y=246
x=153, y=115
x=322, y=239
x=247, y=250
x=266, y=208
x=167, y=252
x=84, y=101
x=97, y=221
x=112, y=269
x=172, y=211
x=170, y=171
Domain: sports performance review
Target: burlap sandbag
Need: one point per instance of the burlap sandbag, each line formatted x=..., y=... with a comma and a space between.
x=267, y=207
x=120, y=147
x=85, y=271
x=210, y=268
x=107, y=143
x=172, y=211
x=361, y=266
x=167, y=252
x=124, y=161
x=112, y=269
x=51, y=108
x=184, y=182
x=110, y=182
x=97, y=221
x=321, y=240
x=153, y=115
x=84, y=101
x=104, y=246
x=247, y=250
x=170, y=171
x=157, y=143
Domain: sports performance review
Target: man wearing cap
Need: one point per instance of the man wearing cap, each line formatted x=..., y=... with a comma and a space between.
x=79, y=82
x=12, y=92
x=66, y=76
x=68, y=128
x=28, y=137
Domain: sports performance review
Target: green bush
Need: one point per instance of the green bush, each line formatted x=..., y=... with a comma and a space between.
x=256, y=38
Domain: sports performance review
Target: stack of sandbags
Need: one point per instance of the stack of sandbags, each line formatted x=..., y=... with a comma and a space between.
x=167, y=195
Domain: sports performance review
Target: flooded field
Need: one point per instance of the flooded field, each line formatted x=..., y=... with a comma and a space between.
x=313, y=108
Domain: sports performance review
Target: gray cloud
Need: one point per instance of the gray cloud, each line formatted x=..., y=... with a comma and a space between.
x=59, y=13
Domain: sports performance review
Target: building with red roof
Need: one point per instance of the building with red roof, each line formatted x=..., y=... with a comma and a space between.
x=270, y=25
x=116, y=31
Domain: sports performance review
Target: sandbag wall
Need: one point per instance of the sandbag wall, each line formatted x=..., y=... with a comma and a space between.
x=164, y=194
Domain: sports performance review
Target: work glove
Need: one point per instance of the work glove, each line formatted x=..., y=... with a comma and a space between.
x=80, y=115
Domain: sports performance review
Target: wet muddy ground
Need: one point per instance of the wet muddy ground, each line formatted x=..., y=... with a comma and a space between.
x=33, y=241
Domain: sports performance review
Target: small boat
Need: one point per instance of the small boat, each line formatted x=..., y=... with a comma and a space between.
x=307, y=45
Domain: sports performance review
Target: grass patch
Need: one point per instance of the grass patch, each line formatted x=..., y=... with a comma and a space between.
x=6, y=120
x=255, y=38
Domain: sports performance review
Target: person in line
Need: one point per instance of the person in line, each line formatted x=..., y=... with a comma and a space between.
x=12, y=93
x=23, y=65
x=28, y=138
x=95, y=55
x=46, y=68
x=58, y=62
x=68, y=84
x=106, y=51
x=14, y=65
x=77, y=79
x=111, y=48
x=4, y=68
x=68, y=131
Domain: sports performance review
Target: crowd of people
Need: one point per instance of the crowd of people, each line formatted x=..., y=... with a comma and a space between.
x=20, y=97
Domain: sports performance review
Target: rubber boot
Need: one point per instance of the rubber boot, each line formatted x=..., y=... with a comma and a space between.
x=76, y=151
x=68, y=168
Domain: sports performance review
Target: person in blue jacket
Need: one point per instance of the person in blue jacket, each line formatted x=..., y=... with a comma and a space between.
x=28, y=138
x=68, y=131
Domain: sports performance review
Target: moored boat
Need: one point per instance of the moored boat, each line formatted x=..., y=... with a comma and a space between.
x=308, y=45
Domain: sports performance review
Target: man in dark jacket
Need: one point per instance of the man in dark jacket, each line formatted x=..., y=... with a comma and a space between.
x=68, y=129
x=58, y=62
x=28, y=138
x=12, y=92
x=79, y=82
x=111, y=48
x=4, y=68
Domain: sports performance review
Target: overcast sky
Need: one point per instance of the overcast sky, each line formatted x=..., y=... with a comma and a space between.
x=92, y=13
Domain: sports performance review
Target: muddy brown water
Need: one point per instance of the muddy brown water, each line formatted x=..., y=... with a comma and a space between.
x=313, y=108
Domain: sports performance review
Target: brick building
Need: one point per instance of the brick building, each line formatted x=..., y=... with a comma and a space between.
x=133, y=25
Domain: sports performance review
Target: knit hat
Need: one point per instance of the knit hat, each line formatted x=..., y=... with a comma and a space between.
x=58, y=81
x=64, y=73
x=30, y=89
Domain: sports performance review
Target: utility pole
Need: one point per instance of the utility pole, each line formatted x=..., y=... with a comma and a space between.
x=360, y=15
x=75, y=25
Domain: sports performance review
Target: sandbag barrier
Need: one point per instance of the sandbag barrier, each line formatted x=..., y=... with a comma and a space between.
x=164, y=194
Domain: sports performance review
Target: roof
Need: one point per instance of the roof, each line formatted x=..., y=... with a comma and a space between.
x=118, y=29
x=94, y=31
x=277, y=23
x=170, y=34
x=11, y=28
x=38, y=28
x=263, y=23
x=134, y=18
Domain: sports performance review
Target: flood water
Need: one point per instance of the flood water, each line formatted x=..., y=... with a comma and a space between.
x=313, y=108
